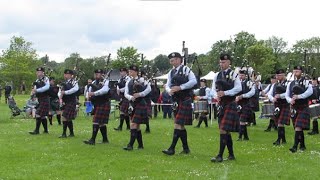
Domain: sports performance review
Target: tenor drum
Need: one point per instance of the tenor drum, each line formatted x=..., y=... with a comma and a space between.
x=200, y=106
x=267, y=110
x=314, y=110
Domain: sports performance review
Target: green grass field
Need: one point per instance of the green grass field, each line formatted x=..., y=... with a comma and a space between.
x=45, y=156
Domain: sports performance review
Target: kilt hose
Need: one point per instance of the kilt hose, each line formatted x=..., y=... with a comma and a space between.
x=229, y=120
x=43, y=107
x=302, y=118
x=69, y=110
x=140, y=112
x=285, y=114
x=183, y=114
x=124, y=105
x=246, y=112
x=101, y=113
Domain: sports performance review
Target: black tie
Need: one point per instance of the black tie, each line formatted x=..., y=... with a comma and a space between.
x=174, y=71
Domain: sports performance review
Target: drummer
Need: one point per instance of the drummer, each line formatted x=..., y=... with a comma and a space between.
x=315, y=100
x=243, y=105
x=203, y=95
x=264, y=93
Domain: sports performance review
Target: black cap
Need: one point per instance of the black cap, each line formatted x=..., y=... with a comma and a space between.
x=142, y=73
x=174, y=55
x=51, y=78
x=280, y=71
x=98, y=71
x=315, y=78
x=123, y=69
x=68, y=71
x=134, y=68
x=225, y=56
x=40, y=69
x=203, y=80
x=297, y=68
x=273, y=77
x=242, y=72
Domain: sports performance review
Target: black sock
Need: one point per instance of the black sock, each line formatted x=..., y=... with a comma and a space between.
x=205, y=119
x=95, y=129
x=241, y=131
x=147, y=125
x=59, y=118
x=70, y=126
x=65, y=125
x=200, y=121
x=121, y=121
x=133, y=136
x=45, y=124
x=296, y=139
x=38, y=124
x=103, y=130
x=127, y=118
x=175, y=138
x=302, y=139
x=184, y=139
x=139, y=139
x=230, y=144
x=50, y=119
x=283, y=134
x=315, y=126
x=245, y=132
x=223, y=143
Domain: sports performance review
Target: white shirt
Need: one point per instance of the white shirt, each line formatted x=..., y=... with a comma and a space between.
x=304, y=95
x=45, y=87
x=141, y=94
x=191, y=78
x=74, y=89
x=104, y=90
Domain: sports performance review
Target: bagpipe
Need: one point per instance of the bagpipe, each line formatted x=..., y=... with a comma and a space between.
x=186, y=57
x=105, y=76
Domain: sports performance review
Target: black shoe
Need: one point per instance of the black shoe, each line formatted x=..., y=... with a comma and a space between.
x=118, y=129
x=71, y=135
x=45, y=132
x=231, y=157
x=34, y=132
x=140, y=147
x=267, y=130
x=185, y=151
x=217, y=159
x=169, y=152
x=284, y=142
x=276, y=143
x=90, y=142
x=147, y=131
x=293, y=149
x=246, y=139
x=63, y=136
x=128, y=148
x=313, y=133
x=302, y=148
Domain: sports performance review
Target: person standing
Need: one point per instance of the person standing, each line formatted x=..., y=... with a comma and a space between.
x=136, y=92
x=225, y=86
x=40, y=89
x=315, y=100
x=124, y=102
x=297, y=94
x=7, y=92
x=203, y=95
x=54, y=101
x=68, y=100
x=180, y=82
x=166, y=99
x=99, y=95
x=264, y=93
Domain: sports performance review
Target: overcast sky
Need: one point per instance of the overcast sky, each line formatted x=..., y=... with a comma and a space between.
x=98, y=27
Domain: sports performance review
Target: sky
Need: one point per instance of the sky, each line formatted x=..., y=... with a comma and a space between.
x=98, y=27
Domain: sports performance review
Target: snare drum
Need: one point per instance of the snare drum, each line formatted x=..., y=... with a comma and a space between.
x=200, y=106
x=314, y=110
x=267, y=110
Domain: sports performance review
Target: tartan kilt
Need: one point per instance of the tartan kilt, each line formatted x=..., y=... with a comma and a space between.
x=124, y=105
x=254, y=104
x=140, y=112
x=101, y=113
x=183, y=114
x=69, y=110
x=285, y=115
x=246, y=113
x=149, y=108
x=43, y=107
x=54, y=105
x=302, y=119
x=230, y=119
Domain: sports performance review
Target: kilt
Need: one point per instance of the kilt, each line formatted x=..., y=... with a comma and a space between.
x=246, y=112
x=124, y=105
x=149, y=108
x=183, y=114
x=43, y=107
x=101, y=113
x=230, y=119
x=254, y=103
x=54, y=105
x=302, y=119
x=140, y=113
x=284, y=117
x=69, y=110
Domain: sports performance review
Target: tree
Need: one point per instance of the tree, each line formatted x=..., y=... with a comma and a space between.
x=162, y=63
x=126, y=57
x=243, y=40
x=19, y=62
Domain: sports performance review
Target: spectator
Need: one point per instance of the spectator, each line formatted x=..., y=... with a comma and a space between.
x=7, y=92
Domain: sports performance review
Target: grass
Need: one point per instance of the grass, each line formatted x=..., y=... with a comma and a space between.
x=47, y=157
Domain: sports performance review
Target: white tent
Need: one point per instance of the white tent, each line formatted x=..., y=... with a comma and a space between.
x=209, y=76
x=165, y=76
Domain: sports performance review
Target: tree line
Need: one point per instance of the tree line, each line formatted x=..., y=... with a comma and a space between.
x=19, y=60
